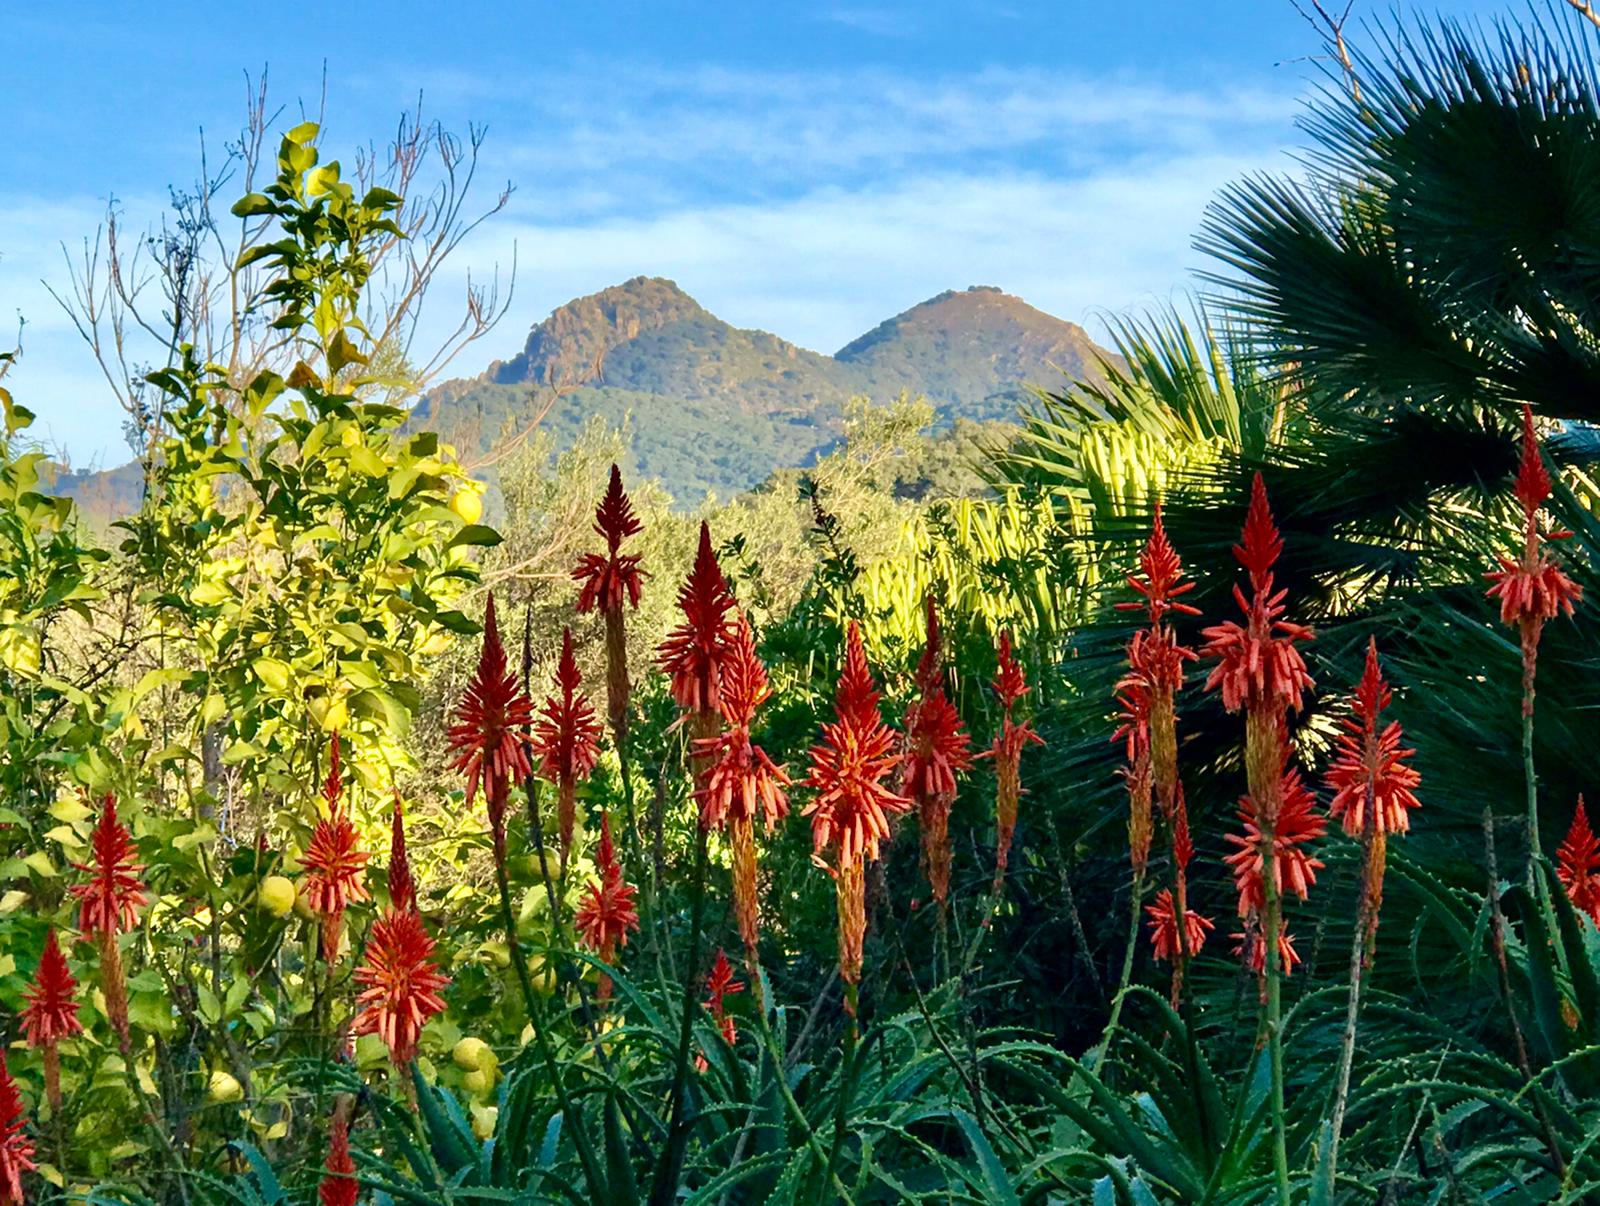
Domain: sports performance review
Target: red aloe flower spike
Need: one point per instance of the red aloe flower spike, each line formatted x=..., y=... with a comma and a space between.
x=1369, y=758
x=1162, y=583
x=566, y=739
x=1253, y=951
x=402, y=888
x=111, y=902
x=1293, y=869
x=114, y=895
x=16, y=1149
x=606, y=580
x=52, y=1010
x=400, y=984
x=1133, y=699
x=1164, y=927
x=1533, y=589
x=1009, y=686
x=487, y=739
x=1257, y=663
x=1578, y=865
x=335, y=864
x=339, y=1186
x=741, y=782
x=1009, y=683
x=694, y=652
x=851, y=811
x=937, y=749
x=607, y=912
x=51, y=1014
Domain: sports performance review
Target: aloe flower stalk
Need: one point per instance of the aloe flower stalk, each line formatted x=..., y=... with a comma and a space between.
x=608, y=581
x=16, y=1149
x=334, y=862
x=1260, y=672
x=937, y=750
x=853, y=806
x=1531, y=591
x=607, y=913
x=51, y=1015
x=1009, y=687
x=399, y=978
x=566, y=741
x=338, y=1186
x=110, y=904
x=1578, y=865
x=488, y=738
x=741, y=783
x=1374, y=791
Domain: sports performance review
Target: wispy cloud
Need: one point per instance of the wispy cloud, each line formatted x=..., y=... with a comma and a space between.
x=878, y=22
x=810, y=203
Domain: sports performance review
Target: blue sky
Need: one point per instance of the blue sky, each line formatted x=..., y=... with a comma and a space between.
x=808, y=169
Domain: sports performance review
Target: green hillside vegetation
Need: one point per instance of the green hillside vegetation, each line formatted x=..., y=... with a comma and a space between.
x=717, y=409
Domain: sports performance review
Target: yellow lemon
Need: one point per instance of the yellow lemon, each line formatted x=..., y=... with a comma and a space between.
x=542, y=975
x=484, y=1120
x=276, y=895
x=479, y=1082
x=473, y=1054
x=467, y=503
x=223, y=1089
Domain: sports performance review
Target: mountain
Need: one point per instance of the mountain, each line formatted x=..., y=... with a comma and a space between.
x=715, y=407
x=711, y=406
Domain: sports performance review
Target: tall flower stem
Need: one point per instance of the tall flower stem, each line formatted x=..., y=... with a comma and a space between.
x=1536, y=883
x=1264, y=760
x=1373, y=841
x=665, y=1187
x=1135, y=912
x=780, y=1077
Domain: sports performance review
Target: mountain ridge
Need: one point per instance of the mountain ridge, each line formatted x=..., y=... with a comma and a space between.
x=716, y=408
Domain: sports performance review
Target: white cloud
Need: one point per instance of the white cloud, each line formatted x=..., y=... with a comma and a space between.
x=812, y=204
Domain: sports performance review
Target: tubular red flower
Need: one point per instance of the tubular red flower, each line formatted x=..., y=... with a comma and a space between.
x=16, y=1149
x=1369, y=758
x=113, y=896
x=1164, y=927
x=851, y=810
x=1133, y=699
x=400, y=984
x=720, y=985
x=1009, y=686
x=1533, y=589
x=1578, y=865
x=607, y=912
x=937, y=749
x=339, y=1186
x=52, y=1010
x=487, y=738
x=1258, y=665
x=566, y=738
x=1293, y=869
x=1253, y=951
x=402, y=888
x=606, y=580
x=741, y=782
x=694, y=652
x=1009, y=683
x=334, y=862
x=1162, y=583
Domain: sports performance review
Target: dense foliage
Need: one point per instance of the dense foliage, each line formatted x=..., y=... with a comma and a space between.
x=1178, y=799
